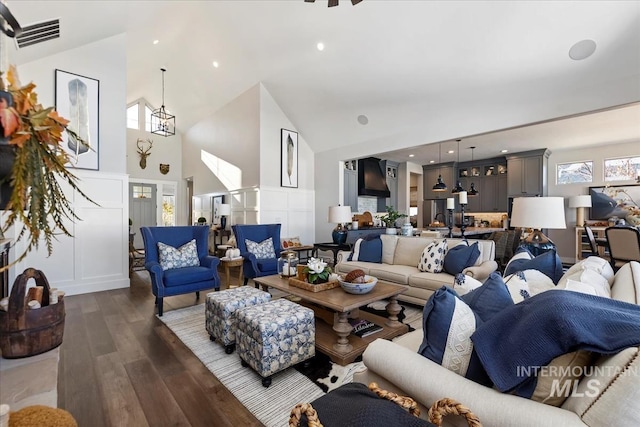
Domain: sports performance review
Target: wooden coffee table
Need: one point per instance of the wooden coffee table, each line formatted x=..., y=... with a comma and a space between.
x=334, y=338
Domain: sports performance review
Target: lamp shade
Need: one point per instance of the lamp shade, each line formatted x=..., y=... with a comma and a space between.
x=582, y=201
x=538, y=212
x=339, y=214
x=224, y=209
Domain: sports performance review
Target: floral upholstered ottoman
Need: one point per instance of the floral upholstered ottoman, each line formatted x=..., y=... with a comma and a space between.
x=220, y=312
x=273, y=336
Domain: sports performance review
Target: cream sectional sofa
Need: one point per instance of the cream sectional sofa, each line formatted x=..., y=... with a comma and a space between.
x=609, y=396
x=400, y=258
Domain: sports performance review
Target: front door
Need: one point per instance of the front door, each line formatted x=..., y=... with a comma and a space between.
x=142, y=209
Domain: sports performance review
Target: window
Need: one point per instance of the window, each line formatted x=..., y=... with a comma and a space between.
x=147, y=118
x=572, y=173
x=132, y=117
x=623, y=169
x=168, y=207
x=142, y=192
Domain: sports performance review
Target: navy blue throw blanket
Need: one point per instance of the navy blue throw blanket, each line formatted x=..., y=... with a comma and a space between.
x=550, y=324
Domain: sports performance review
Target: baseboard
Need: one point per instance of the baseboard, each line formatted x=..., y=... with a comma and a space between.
x=94, y=286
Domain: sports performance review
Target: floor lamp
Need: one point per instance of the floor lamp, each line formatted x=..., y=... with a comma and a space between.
x=538, y=213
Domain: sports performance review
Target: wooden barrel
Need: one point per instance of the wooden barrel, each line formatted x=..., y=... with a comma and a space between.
x=25, y=332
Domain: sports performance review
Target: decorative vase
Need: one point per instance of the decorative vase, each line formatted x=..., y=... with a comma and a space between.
x=391, y=230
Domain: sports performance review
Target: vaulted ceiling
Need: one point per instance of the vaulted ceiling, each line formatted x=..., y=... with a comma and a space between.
x=399, y=63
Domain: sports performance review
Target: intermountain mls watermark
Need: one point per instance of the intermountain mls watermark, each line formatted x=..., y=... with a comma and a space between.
x=566, y=378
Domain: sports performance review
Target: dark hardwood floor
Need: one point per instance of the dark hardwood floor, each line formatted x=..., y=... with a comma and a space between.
x=121, y=366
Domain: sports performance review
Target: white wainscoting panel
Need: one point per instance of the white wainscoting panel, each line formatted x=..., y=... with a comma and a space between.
x=96, y=258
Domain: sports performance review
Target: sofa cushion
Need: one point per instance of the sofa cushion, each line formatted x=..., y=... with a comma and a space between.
x=367, y=250
x=262, y=250
x=460, y=257
x=393, y=273
x=389, y=242
x=182, y=276
x=549, y=263
x=409, y=250
x=586, y=281
x=448, y=323
x=184, y=256
x=626, y=285
x=561, y=374
x=432, y=258
x=348, y=266
x=597, y=264
x=490, y=298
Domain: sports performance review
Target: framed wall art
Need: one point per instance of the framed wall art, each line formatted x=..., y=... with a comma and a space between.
x=78, y=100
x=622, y=201
x=289, y=158
x=216, y=201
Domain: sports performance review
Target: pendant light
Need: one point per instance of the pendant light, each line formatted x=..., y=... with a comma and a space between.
x=163, y=123
x=440, y=185
x=472, y=191
x=458, y=188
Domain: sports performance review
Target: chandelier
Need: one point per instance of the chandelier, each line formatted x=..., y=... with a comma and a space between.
x=334, y=2
x=163, y=123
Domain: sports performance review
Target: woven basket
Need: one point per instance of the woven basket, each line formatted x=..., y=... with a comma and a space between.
x=311, y=287
x=25, y=332
x=438, y=410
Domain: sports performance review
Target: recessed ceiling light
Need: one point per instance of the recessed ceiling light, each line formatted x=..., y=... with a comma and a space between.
x=582, y=50
x=215, y=64
x=320, y=46
x=156, y=41
x=432, y=161
x=450, y=151
x=362, y=119
x=504, y=151
x=411, y=155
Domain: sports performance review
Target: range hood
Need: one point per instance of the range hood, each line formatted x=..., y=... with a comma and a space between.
x=372, y=180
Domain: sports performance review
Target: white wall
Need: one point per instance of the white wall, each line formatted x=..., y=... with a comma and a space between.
x=565, y=239
x=96, y=258
x=292, y=207
x=232, y=134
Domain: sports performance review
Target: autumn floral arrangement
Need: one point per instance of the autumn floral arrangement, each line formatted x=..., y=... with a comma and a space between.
x=31, y=135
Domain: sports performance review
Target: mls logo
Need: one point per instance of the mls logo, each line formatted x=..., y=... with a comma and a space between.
x=164, y=169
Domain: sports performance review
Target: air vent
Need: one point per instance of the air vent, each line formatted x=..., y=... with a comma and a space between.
x=38, y=33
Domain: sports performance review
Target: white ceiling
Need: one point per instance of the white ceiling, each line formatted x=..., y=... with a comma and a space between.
x=397, y=62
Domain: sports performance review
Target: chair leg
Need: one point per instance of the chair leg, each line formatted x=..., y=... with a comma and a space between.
x=156, y=300
x=246, y=281
x=159, y=306
x=197, y=295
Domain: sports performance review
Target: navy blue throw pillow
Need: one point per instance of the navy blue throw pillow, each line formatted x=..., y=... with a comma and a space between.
x=548, y=263
x=369, y=250
x=460, y=257
x=490, y=298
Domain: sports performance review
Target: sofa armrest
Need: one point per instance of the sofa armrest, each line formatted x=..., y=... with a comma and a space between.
x=426, y=382
x=481, y=272
x=342, y=256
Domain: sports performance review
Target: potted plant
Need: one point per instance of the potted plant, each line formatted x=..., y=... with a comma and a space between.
x=31, y=146
x=390, y=219
x=317, y=271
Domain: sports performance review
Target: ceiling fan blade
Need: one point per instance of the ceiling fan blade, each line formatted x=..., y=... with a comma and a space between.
x=355, y=2
x=333, y=3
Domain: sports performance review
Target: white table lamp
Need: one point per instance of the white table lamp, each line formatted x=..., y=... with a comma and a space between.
x=580, y=202
x=538, y=213
x=224, y=210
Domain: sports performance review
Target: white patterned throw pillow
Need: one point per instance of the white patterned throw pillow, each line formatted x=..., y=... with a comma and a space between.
x=262, y=250
x=184, y=256
x=432, y=258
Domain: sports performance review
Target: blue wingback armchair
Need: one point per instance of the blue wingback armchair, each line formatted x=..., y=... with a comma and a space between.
x=183, y=280
x=252, y=266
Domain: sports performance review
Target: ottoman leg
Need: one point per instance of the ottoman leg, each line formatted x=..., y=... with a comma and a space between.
x=229, y=348
x=266, y=382
x=212, y=338
x=243, y=363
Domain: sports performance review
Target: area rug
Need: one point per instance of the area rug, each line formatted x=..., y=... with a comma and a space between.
x=271, y=405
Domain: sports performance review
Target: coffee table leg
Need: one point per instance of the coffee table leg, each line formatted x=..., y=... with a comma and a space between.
x=393, y=308
x=343, y=329
x=226, y=268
